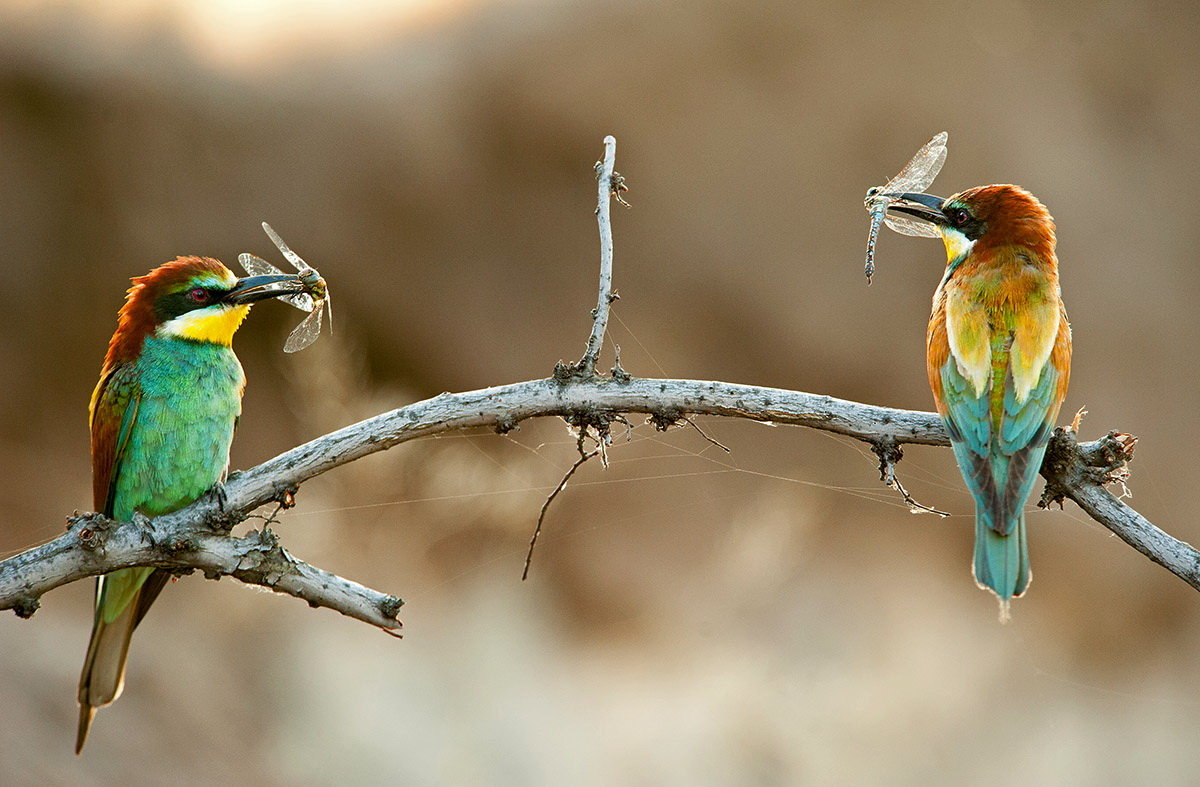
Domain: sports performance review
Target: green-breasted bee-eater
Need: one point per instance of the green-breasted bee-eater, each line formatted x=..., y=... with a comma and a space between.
x=998, y=355
x=162, y=419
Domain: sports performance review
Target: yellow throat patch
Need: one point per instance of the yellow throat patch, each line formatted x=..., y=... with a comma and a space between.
x=215, y=324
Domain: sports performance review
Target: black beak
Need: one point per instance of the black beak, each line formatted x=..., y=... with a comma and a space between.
x=258, y=288
x=927, y=207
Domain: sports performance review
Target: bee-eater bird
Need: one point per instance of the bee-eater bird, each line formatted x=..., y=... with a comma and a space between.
x=998, y=355
x=162, y=419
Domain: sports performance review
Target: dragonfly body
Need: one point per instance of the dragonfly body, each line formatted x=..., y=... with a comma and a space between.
x=878, y=207
x=917, y=175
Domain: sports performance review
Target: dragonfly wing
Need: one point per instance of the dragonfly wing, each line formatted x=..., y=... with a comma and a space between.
x=306, y=332
x=288, y=254
x=922, y=168
x=913, y=226
x=917, y=175
x=257, y=266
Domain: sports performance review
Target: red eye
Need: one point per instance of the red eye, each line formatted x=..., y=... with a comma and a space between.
x=960, y=217
x=198, y=295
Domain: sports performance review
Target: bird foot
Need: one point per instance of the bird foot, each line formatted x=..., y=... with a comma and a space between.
x=224, y=518
x=220, y=497
x=145, y=526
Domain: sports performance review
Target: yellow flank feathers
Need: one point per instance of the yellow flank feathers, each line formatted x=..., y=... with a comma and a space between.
x=215, y=324
x=1033, y=341
x=969, y=334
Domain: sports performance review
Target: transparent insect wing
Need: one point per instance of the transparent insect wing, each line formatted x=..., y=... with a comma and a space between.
x=314, y=299
x=257, y=266
x=915, y=176
x=922, y=168
x=301, y=300
x=291, y=256
x=911, y=226
x=306, y=332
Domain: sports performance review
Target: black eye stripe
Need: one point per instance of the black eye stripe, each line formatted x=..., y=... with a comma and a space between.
x=961, y=219
x=196, y=296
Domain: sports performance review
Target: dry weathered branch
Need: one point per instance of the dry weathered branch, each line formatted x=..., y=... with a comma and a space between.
x=1074, y=471
x=537, y=531
x=95, y=545
x=607, y=186
x=890, y=453
x=1080, y=471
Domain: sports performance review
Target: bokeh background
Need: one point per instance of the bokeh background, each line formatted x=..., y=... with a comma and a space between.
x=770, y=616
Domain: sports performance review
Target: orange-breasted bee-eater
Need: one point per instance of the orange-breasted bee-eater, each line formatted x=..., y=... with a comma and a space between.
x=998, y=355
x=162, y=419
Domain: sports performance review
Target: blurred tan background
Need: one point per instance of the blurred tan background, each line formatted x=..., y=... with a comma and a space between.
x=771, y=616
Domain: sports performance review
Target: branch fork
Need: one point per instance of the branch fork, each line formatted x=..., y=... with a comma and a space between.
x=890, y=453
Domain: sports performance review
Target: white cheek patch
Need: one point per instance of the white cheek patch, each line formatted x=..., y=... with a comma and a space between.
x=957, y=244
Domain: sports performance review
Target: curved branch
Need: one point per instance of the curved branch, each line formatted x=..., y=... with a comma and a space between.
x=186, y=539
x=94, y=544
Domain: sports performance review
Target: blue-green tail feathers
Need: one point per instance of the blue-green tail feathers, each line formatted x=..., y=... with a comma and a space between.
x=999, y=443
x=1001, y=560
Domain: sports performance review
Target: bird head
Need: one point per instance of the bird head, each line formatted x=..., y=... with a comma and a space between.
x=191, y=298
x=999, y=215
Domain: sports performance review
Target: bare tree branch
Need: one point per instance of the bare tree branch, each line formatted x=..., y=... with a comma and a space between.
x=1080, y=471
x=537, y=531
x=1074, y=471
x=890, y=453
x=608, y=184
x=95, y=545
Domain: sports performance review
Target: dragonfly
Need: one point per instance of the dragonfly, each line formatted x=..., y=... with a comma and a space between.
x=314, y=298
x=917, y=175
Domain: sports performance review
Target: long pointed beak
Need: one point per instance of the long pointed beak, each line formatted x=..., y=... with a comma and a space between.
x=927, y=207
x=258, y=288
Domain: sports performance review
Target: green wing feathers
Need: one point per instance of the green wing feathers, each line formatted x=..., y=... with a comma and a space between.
x=114, y=411
x=161, y=429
